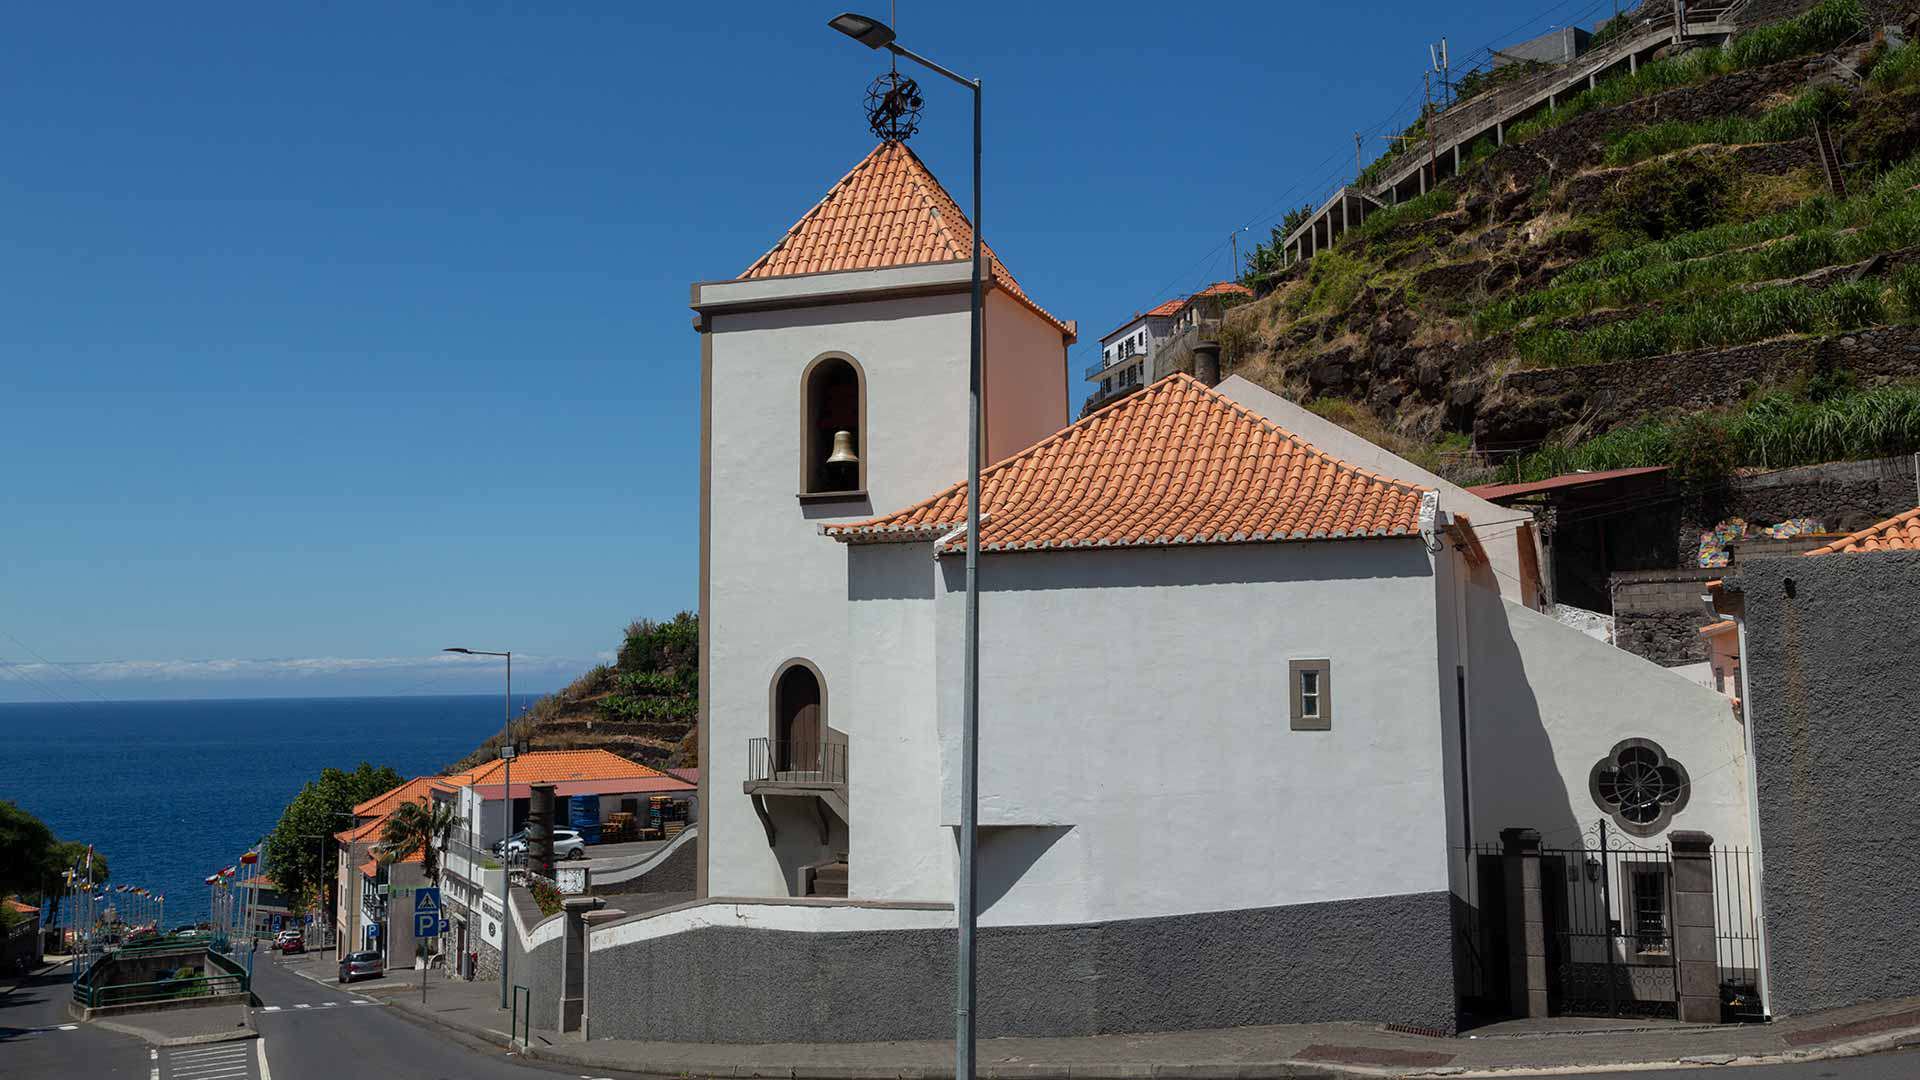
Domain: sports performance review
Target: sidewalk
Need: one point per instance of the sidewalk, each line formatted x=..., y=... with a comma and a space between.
x=1303, y=1050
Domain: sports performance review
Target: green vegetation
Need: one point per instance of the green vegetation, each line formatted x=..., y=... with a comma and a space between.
x=1896, y=68
x=1773, y=431
x=1828, y=24
x=657, y=674
x=295, y=854
x=1818, y=233
x=421, y=827
x=1789, y=121
x=1716, y=321
x=1332, y=281
x=34, y=862
x=1477, y=82
x=1432, y=204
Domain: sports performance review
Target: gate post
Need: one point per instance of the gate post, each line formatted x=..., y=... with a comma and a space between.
x=1695, y=951
x=1526, y=922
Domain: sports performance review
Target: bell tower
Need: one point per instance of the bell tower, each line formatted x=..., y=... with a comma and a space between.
x=833, y=387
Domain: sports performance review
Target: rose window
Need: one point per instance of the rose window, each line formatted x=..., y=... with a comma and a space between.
x=1640, y=786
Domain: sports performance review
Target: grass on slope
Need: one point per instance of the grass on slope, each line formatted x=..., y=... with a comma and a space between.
x=1725, y=319
x=1773, y=431
x=1827, y=25
x=1789, y=121
x=1819, y=232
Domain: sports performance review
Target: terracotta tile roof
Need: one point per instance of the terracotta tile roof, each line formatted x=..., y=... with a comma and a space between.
x=1223, y=288
x=1179, y=303
x=557, y=766
x=1176, y=463
x=370, y=869
x=412, y=791
x=1898, y=533
x=888, y=211
x=260, y=881
x=23, y=909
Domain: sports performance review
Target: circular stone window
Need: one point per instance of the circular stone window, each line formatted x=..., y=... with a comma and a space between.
x=1639, y=786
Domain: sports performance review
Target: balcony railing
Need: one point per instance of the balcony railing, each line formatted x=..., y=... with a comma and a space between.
x=807, y=762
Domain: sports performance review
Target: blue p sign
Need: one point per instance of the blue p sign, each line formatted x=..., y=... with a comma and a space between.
x=426, y=924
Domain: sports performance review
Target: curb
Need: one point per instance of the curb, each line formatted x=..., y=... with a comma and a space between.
x=147, y=1036
x=1872, y=1044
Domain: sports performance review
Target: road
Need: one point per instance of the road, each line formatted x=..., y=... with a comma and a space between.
x=315, y=1030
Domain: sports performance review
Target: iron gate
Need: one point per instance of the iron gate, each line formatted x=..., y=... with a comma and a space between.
x=1609, y=912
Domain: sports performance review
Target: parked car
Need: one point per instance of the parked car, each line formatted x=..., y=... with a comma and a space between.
x=567, y=844
x=295, y=944
x=288, y=937
x=361, y=965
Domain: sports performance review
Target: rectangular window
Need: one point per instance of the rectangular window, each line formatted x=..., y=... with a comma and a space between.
x=1649, y=894
x=1310, y=696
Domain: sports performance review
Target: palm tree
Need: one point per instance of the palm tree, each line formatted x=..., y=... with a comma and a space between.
x=419, y=827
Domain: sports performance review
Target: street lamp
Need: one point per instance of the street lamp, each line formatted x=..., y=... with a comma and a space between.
x=506, y=809
x=875, y=34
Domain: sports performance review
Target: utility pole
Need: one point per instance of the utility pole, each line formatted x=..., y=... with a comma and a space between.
x=1358, y=143
x=1234, y=238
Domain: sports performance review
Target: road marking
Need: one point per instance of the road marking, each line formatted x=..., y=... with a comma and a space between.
x=328, y=1004
x=69, y=1027
x=153, y=1055
x=303, y=1005
x=265, y=1073
x=272, y=1008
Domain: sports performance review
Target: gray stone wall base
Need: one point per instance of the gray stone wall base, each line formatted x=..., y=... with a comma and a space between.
x=1385, y=958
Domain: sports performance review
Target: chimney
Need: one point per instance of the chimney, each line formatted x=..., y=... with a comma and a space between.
x=1206, y=361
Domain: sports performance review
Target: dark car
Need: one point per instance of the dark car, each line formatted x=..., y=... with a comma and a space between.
x=361, y=965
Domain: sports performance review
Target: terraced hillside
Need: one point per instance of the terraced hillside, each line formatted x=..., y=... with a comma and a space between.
x=641, y=706
x=1657, y=271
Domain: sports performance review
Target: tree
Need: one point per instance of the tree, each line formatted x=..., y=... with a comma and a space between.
x=294, y=854
x=24, y=843
x=421, y=827
x=63, y=856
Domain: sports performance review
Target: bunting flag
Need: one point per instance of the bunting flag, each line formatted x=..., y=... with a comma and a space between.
x=250, y=858
x=228, y=872
x=211, y=878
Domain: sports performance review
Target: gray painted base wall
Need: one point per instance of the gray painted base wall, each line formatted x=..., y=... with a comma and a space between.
x=1381, y=958
x=1836, y=711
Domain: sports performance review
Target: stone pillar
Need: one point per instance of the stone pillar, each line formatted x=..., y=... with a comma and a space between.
x=1500, y=133
x=1696, y=953
x=573, y=958
x=540, y=829
x=1526, y=923
x=592, y=919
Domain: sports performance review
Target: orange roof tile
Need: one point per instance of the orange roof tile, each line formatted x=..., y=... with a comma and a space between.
x=370, y=868
x=888, y=211
x=558, y=766
x=1176, y=463
x=1898, y=533
x=383, y=803
x=24, y=909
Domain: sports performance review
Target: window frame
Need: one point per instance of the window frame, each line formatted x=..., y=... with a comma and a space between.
x=809, y=434
x=1322, y=670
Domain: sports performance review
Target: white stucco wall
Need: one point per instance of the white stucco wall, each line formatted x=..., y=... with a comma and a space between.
x=1549, y=702
x=778, y=589
x=1154, y=772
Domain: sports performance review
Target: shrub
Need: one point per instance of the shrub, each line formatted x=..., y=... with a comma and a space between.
x=1729, y=319
x=1333, y=279
x=1665, y=198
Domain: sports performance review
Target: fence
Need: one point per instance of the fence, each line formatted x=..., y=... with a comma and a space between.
x=799, y=761
x=217, y=979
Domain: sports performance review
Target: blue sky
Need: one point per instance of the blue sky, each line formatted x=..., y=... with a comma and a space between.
x=332, y=334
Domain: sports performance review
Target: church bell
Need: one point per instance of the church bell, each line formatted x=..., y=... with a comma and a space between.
x=843, y=449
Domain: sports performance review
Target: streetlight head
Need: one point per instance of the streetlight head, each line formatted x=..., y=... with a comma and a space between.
x=469, y=652
x=872, y=33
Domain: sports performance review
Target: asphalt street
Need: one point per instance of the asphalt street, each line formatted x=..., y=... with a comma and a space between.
x=315, y=1029
x=312, y=1029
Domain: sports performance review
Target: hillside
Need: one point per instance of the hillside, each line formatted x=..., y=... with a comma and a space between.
x=1655, y=271
x=642, y=706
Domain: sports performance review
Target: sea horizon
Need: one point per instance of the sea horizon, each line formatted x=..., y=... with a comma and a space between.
x=172, y=790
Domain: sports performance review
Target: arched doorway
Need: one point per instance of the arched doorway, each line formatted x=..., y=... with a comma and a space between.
x=799, y=720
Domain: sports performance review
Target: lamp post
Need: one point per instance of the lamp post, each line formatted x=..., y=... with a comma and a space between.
x=506, y=809
x=875, y=34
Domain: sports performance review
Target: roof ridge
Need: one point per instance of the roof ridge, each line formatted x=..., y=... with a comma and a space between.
x=832, y=190
x=1362, y=470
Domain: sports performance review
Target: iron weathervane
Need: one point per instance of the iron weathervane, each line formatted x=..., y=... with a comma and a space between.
x=893, y=107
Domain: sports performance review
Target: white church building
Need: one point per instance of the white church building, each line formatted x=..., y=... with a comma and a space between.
x=1253, y=703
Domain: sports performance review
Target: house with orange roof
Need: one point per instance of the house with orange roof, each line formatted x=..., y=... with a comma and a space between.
x=1131, y=356
x=1818, y=650
x=589, y=785
x=372, y=901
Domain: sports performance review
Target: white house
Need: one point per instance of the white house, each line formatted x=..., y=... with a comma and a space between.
x=1250, y=708
x=1133, y=354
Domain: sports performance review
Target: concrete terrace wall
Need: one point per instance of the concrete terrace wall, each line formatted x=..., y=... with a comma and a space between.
x=1835, y=700
x=756, y=973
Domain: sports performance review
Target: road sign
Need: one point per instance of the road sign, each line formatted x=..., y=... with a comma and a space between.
x=445, y=925
x=426, y=924
x=373, y=931
x=276, y=924
x=426, y=900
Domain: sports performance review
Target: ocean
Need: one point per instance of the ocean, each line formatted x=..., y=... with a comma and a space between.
x=172, y=791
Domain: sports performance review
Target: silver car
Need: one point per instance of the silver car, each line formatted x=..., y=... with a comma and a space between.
x=361, y=965
x=567, y=844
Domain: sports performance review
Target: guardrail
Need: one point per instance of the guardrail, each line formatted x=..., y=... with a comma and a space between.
x=801, y=761
x=516, y=1032
x=89, y=993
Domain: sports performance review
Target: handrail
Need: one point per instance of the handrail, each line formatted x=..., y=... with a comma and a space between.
x=806, y=761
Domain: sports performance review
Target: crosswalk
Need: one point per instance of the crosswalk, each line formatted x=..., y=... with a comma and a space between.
x=315, y=1005
x=218, y=1061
